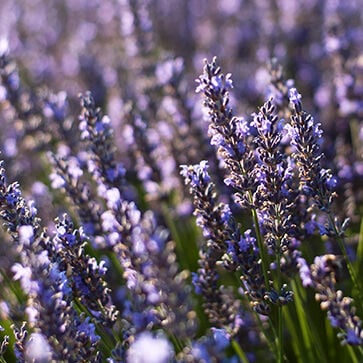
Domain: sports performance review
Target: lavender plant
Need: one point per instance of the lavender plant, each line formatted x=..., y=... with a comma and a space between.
x=271, y=181
x=146, y=222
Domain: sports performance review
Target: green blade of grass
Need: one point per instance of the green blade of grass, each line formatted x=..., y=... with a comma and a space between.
x=359, y=260
x=312, y=342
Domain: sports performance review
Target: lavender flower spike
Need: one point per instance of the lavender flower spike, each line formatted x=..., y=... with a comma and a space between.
x=306, y=137
x=211, y=218
x=50, y=309
x=230, y=134
x=341, y=311
x=225, y=245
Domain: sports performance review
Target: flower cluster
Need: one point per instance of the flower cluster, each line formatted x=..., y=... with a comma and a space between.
x=43, y=276
x=341, y=312
x=286, y=176
x=224, y=242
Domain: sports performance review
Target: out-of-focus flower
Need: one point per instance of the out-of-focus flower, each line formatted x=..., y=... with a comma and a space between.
x=150, y=349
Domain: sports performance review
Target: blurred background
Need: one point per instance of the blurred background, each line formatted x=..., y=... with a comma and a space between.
x=142, y=55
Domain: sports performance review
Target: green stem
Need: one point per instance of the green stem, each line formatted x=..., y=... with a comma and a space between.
x=264, y=265
x=299, y=350
x=269, y=340
x=352, y=354
x=350, y=267
x=181, y=249
x=241, y=354
x=177, y=343
x=309, y=334
x=116, y=265
x=279, y=336
x=261, y=247
x=359, y=259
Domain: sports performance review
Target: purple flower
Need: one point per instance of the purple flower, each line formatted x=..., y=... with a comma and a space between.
x=149, y=349
x=295, y=99
x=37, y=349
x=224, y=246
x=221, y=338
x=113, y=197
x=24, y=274
x=26, y=234
x=304, y=272
x=229, y=134
x=341, y=311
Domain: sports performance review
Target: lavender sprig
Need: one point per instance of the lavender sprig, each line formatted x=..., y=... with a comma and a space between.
x=66, y=176
x=225, y=245
x=159, y=293
x=205, y=349
x=3, y=347
x=97, y=134
x=223, y=241
x=87, y=274
x=50, y=299
x=71, y=336
x=306, y=137
x=275, y=189
x=316, y=182
x=20, y=335
x=341, y=311
x=232, y=137
x=229, y=134
x=146, y=155
x=41, y=114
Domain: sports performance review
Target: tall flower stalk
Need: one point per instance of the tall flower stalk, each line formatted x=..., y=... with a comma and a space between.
x=258, y=173
x=316, y=182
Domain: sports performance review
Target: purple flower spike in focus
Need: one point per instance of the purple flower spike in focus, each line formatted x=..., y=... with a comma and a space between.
x=229, y=134
x=222, y=248
x=306, y=137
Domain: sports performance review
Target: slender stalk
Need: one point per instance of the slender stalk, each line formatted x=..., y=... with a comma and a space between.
x=241, y=354
x=350, y=266
x=299, y=350
x=269, y=340
x=177, y=343
x=180, y=247
x=279, y=335
x=352, y=354
x=261, y=247
x=264, y=265
x=279, y=310
x=332, y=350
x=359, y=259
x=309, y=335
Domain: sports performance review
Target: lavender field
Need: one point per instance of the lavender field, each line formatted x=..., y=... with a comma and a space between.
x=181, y=181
